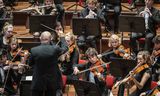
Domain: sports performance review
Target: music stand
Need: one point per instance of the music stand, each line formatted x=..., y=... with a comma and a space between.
x=76, y=4
x=128, y=23
x=85, y=88
x=121, y=67
x=40, y=23
x=86, y=26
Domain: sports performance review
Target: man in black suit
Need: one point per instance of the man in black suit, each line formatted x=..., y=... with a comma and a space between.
x=44, y=60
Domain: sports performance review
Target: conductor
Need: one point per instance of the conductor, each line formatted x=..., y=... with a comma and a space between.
x=44, y=60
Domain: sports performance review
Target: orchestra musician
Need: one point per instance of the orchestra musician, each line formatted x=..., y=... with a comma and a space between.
x=155, y=56
x=152, y=17
x=7, y=33
x=70, y=58
x=91, y=11
x=139, y=79
x=96, y=75
x=117, y=50
x=44, y=60
x=15, y=66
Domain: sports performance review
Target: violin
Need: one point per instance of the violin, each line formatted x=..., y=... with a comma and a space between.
x=99, y=69
x=20, y=52
x=121, y=51
x=66, y=56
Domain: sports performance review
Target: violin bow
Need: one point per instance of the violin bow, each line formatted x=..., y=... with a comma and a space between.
x=94, y=67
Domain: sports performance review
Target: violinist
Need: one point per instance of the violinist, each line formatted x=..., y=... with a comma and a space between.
x=116, y=49
x=139, y=79
x=96, y=75
x=14, y=66
x=7, y=33
x=155, y=57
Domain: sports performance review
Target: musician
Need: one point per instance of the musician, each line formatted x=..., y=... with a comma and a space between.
x=156, y=59
x=141, y=77
x=7, y=33
x=44, y=60
x=50, y=10
x=58, y=30
x=14, y=66
x=116, y=5
x=91, y=11
x=70, y=58
x=96, y=75
x=152, y=17
x=116, y=48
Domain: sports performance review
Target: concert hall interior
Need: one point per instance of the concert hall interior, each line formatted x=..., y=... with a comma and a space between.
x=100, y=47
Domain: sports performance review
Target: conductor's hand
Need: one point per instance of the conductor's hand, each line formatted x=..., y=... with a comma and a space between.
x=75, y=70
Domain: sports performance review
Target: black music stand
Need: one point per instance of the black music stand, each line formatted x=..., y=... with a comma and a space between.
x=128, y=23
x=121, y=67
x=76, y=5
x=85, y=88
x=40, y=23
x=86, y=26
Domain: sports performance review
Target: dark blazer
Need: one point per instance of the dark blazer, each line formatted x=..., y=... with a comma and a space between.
x=46, y=73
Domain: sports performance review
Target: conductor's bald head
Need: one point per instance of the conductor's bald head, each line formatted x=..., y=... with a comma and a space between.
x=45, y=37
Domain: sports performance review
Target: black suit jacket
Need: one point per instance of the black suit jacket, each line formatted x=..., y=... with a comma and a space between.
x=46, y=73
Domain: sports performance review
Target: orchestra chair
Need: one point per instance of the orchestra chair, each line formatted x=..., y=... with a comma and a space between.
x=141, y=43
x=153, y=84
x=110, y=81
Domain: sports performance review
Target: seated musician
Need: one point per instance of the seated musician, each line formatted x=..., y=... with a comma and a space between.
x=91, y=11
x=152, y=17
x=139, y=79
x=48, y=7
x=58, y=30
x=117, y=50
x=154, y=92
x=156, y=59
x=14, y=66
x=5, y=35
x=70, y=58
x=96, y=75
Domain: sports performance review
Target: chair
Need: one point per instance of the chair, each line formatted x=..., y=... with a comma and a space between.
x=110, y=81
x=153, y=84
